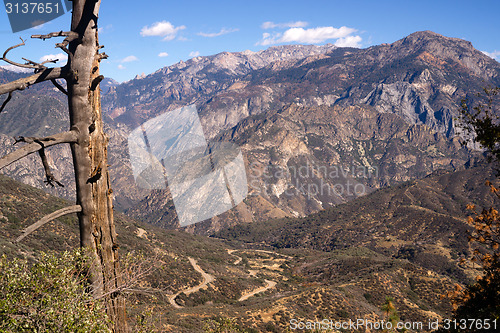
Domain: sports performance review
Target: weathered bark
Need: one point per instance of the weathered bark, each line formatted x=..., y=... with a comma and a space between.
x=97, y=230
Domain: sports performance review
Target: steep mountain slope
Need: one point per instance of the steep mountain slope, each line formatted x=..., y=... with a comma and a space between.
x=422, y=78
x=300, y=112
x=304, y=159
x=193, y=81
x=423, y=221
x=307, y=284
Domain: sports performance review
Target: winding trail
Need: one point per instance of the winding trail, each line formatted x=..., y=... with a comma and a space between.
x=253, y=273
x=207, y=278
x=237, y=261
x=269, y=284
x=275, y=253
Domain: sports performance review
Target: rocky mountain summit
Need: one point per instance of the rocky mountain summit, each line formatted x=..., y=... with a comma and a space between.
x=195, y=80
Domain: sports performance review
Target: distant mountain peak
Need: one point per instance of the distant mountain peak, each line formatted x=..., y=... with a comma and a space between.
x=251, y=60
x=425, y=33
x=429, y=36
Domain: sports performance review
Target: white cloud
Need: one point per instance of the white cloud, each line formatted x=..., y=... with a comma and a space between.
x=194, y=54
x=312, y=36
x=130, y=58
x=105, y=29
x=121, y=66
x=272, y=25
x=37, y=25
x=59, y=56
x=495, y=54
x=163, y=54
x=315, y=35
x=349, y=41
x=163, y=29
x=223, y=31
x=268, y=39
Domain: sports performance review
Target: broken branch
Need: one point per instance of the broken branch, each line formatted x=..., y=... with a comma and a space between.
x=50, y=179
x=33, y=146
x=48, y=218
x=58, y=86
x=102, y=56
x=56, y=34
x=6, y=101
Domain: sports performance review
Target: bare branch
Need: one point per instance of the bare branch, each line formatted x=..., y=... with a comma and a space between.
x=46, y=219
x=6, y=101
x=4, y=56
x=70, y=36
x=29, y=63
x=58, y=86
x=96, y=82
x=102, y=56
x=50, y=179
x=46, y=74
x=40, y=64
x=56, y=34
x=34, y=146
x=29, y=139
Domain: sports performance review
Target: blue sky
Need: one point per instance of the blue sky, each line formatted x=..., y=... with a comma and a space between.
x=141, y=37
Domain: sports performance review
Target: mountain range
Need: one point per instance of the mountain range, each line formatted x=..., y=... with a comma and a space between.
x=369, y=118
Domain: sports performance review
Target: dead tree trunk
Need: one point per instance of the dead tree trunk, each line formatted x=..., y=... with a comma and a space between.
x=97, y=230
x=89, y=149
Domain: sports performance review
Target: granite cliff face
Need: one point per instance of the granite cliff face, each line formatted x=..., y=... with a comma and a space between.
x=303, y=159
x=318, y=125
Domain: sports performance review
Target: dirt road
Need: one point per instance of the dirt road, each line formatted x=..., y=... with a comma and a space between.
x=269, y=284
x=207, y=278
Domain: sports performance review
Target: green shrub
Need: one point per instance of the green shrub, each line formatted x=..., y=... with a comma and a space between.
x=221, y=325
x=49, y=295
